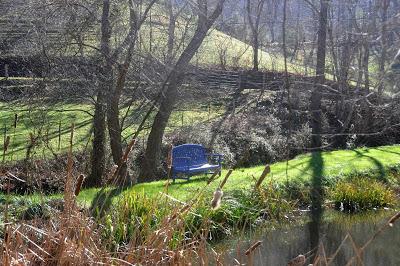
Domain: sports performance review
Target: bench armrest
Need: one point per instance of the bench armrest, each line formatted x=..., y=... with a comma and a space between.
x=217, y=156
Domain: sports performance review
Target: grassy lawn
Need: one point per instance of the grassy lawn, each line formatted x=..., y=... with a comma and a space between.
x=52, y=125
x=331, y=165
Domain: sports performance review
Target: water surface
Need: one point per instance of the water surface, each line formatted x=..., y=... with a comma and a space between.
x=279, y=246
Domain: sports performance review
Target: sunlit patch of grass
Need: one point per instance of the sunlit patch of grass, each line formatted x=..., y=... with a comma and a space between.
x=48, y=124
x=51, y=125
x=334, y=165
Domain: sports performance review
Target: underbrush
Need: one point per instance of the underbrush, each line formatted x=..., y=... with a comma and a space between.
x=46, y=176
x=245, y=139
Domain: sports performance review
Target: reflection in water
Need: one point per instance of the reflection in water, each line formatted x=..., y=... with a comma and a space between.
x=280, y=246
x=316, y=164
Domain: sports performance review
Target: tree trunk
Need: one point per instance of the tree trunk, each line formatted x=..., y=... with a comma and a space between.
x=171, y=33
x=114, y=127
x=99, y=123
x=98, y=151
x=170, y=92
x=342, y=111
x=174, y=80
x=315, y=105
x=255, y=28
x=383, y=56
x=256, y=45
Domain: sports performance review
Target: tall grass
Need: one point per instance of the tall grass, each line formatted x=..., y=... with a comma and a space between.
x=136, y=230
x=141, y=229
x=360, y=193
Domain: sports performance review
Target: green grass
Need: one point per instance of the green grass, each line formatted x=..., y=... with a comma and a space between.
x=143, y=207
x=333, y=166
x=45, y=119
x=241, y=206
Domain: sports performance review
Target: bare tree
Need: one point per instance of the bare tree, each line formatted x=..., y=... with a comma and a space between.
x=109, y=91
x=315, y=104
x=105, y=82
x=169, y=94
x=384, y=6
x=254, y=13
x=273, y=13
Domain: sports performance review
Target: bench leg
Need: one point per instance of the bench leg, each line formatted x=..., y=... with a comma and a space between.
x=173, y=177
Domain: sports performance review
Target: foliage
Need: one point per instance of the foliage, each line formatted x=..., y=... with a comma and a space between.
x=361, y=193
x=244, y=139
x=136, y=214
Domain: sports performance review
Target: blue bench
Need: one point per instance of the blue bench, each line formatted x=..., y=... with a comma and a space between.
x=191, y=159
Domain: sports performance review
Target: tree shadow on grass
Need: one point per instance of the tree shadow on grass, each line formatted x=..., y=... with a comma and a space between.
x=196, y=179
x=101, y=203
x=376, y=162
x=317, y=198
x=103, y=200
x=385, y=150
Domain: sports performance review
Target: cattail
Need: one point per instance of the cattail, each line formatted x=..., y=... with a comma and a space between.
x=79, y=183
x=169, y=157
x=394, y=219
x=253, y=247
x=225, y=179
x=216, y=201
x=266, y=171
x=213, y=177
x=298, y=261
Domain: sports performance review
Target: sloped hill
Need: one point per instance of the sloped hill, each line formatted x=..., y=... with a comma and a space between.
x=19, y=35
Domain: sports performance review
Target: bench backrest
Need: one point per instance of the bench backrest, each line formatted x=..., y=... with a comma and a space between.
x=195, y=152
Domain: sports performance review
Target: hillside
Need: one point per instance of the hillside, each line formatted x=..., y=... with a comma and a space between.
x=18, y=36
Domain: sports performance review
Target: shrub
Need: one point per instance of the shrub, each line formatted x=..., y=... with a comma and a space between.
x=245, y=139
x=359, y=193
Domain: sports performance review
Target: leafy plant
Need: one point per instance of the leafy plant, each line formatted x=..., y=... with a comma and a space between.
x=362, y=194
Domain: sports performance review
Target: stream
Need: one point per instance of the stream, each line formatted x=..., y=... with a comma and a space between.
x=284, y=243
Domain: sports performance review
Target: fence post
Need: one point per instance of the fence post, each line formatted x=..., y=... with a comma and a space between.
x=6, y=71
x=15, y=130
x=59, y=135
x=209, y=111
x=6, y=140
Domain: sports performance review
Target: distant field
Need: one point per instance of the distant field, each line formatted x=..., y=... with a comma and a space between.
x=53, y=123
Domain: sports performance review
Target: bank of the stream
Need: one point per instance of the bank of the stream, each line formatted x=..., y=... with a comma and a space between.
x=142, y=208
